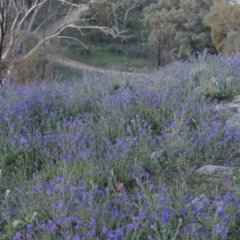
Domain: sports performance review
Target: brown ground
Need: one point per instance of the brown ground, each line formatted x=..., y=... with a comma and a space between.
x=68, y=19
x=81, y=66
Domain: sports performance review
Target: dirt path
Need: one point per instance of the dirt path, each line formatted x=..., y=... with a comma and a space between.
x=68, y=19
x=81, y=66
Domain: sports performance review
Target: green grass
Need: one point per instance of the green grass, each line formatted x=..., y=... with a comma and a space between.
x=109, y=56
x=58, y=72
x=77, y=162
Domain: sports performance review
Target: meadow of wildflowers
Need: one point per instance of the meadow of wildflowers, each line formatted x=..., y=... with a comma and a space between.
x=76, y=156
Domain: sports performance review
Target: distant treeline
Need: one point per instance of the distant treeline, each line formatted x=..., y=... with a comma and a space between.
x=174, y=29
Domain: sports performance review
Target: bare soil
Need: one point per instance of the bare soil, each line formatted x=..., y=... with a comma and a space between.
x=84, y=67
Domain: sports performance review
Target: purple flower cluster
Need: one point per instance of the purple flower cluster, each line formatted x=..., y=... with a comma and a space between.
x=69, y=144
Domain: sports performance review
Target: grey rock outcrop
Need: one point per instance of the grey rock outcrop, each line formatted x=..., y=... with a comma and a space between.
x=233, y=122
x=214, y=170
x=231, y=112
x=157, y=155
x=236, y=99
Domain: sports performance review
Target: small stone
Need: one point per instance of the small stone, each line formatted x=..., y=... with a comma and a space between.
x=18, y=223
x=233, y=107
x=34, y=215
x=228, y=109
x=158, y=155
x=233, y=122
x=214, y=170
x=236, y=99
x=220, y=108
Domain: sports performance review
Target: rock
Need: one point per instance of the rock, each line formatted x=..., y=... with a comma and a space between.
x=18, y=223
x=230, y=113
x=233, y=107
x=34, y=216
x=233, y=122
x=229, y=107
x=157, y=155
x=214, y=170
x=236, y=99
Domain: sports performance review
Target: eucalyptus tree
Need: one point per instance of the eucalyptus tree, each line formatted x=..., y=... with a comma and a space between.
x=177, y=28
x=28, y=26
x=116, y=13
x=224, y=21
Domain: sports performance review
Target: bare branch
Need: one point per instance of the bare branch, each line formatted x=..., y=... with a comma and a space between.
x=114, y=32
x=33, y=18
x=71, y=4
x=75, y=39
x=35, y=6
x=28, y=21
x=120, y=11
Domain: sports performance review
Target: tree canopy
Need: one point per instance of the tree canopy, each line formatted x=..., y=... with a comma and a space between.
x=28, y=26
x=177, y=28
x=224, y=21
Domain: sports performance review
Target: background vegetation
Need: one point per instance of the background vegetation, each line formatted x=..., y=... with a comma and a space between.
x=159, y=32
x=126, y=35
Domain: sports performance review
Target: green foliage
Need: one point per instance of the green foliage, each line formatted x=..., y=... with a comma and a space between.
x=174, y=36
x=124, y=57
x=223, y=19
x=210, y=78
x=42, y=116
x=58, y=73
x=124, y=14
x=154, y=116
x=19, y=161
x=30, y=69
x=218, y=37
x=115, y=86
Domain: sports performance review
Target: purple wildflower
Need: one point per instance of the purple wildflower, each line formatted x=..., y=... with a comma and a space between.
x=131, y=226
x=149, y=237
x=17, y=236
x=29, y=236
x=227, y=197
x=165, y=217
x=188, y=229
x=104, y=230
x=218, y=228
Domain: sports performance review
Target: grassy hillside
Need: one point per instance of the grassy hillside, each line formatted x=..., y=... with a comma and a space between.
x=124, y=57
x=113, y=158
